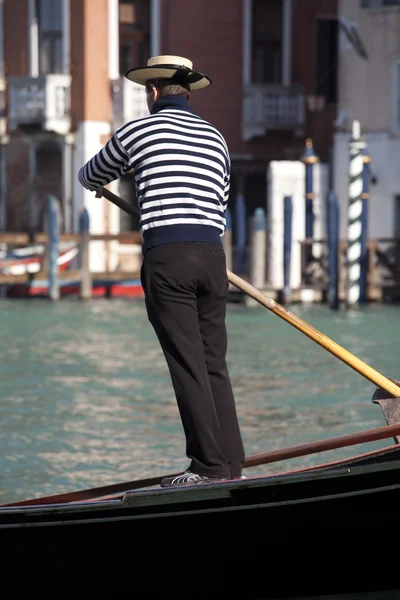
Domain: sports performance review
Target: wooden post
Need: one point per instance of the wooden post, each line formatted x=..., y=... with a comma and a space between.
x=86, y=278
x=52, y=220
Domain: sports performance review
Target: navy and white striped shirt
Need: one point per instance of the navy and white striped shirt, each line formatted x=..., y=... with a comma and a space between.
x=182, y=172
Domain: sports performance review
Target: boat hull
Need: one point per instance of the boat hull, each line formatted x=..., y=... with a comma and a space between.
x=322, y=532
x=71, y=288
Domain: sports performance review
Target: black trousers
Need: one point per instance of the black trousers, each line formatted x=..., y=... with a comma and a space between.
x=186, y=288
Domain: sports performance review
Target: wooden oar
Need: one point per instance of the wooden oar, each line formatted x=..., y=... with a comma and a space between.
x=321, y=339
x=369, y=435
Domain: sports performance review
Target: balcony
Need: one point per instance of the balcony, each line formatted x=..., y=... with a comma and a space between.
x=128, y=102
x=40, y=103
x=272, y=108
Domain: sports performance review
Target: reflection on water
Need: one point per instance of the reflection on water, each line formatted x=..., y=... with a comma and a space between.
x=86, y=398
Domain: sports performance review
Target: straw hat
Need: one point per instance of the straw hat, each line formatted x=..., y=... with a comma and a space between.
x=169, y=67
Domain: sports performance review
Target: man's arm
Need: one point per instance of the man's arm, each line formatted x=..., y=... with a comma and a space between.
x=109, y=164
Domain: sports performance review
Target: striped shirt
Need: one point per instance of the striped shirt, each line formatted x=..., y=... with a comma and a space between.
x=182, y=173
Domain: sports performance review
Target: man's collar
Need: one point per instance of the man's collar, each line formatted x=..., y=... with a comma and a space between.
x=174, y=102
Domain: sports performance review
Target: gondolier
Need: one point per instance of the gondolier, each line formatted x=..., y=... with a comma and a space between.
x=182, y=171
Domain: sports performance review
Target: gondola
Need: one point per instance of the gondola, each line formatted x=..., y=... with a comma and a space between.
x=327, y=529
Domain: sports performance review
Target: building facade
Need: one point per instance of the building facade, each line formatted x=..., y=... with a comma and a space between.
x=273, y=65
x=369, y=91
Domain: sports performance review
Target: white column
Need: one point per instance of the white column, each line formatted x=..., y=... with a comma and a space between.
x=113, y=40
x=33, y=26
x=287, y=42
x=155, y=19
x=66, y=33
x=247, y=43
x=88, y=141
x=285, y=178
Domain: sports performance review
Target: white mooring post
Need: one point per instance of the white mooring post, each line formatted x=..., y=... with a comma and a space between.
x=356, y=167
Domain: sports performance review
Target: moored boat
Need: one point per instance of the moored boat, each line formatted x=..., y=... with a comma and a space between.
x=20, y=261
x=124, y=288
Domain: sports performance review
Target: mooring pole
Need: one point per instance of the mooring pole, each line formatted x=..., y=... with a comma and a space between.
x=86, y=277
x=227, y=239
x=287, y=248
x=258, y=249
x=333, y=249
x=309, y=158
x=240, y=227
x=364, y=227
x=53, y=217
x=356, y=166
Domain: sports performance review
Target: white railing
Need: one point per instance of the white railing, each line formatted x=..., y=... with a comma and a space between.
x=128, y=102
x=272, y=107
x=42, y=102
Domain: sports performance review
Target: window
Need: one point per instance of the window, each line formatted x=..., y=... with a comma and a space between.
x=49, y=14
x=134, y=33
x=396, y=232
x=326, y=59
x=267, y=22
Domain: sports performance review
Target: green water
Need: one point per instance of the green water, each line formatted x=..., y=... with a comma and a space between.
x=86, y=399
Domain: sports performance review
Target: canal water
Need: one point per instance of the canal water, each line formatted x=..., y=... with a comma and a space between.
x=86, y=399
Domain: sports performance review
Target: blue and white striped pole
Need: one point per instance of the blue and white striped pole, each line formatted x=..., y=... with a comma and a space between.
x=356, y=167
x=364, y=228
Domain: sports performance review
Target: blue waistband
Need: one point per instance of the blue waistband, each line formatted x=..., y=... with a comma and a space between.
x=168, y=234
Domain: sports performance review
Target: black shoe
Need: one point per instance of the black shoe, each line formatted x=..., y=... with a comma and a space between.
x=188, y=478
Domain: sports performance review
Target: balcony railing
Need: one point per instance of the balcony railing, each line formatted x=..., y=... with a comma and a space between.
x=128, y=102
x=272, y=107
x=40, y=102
